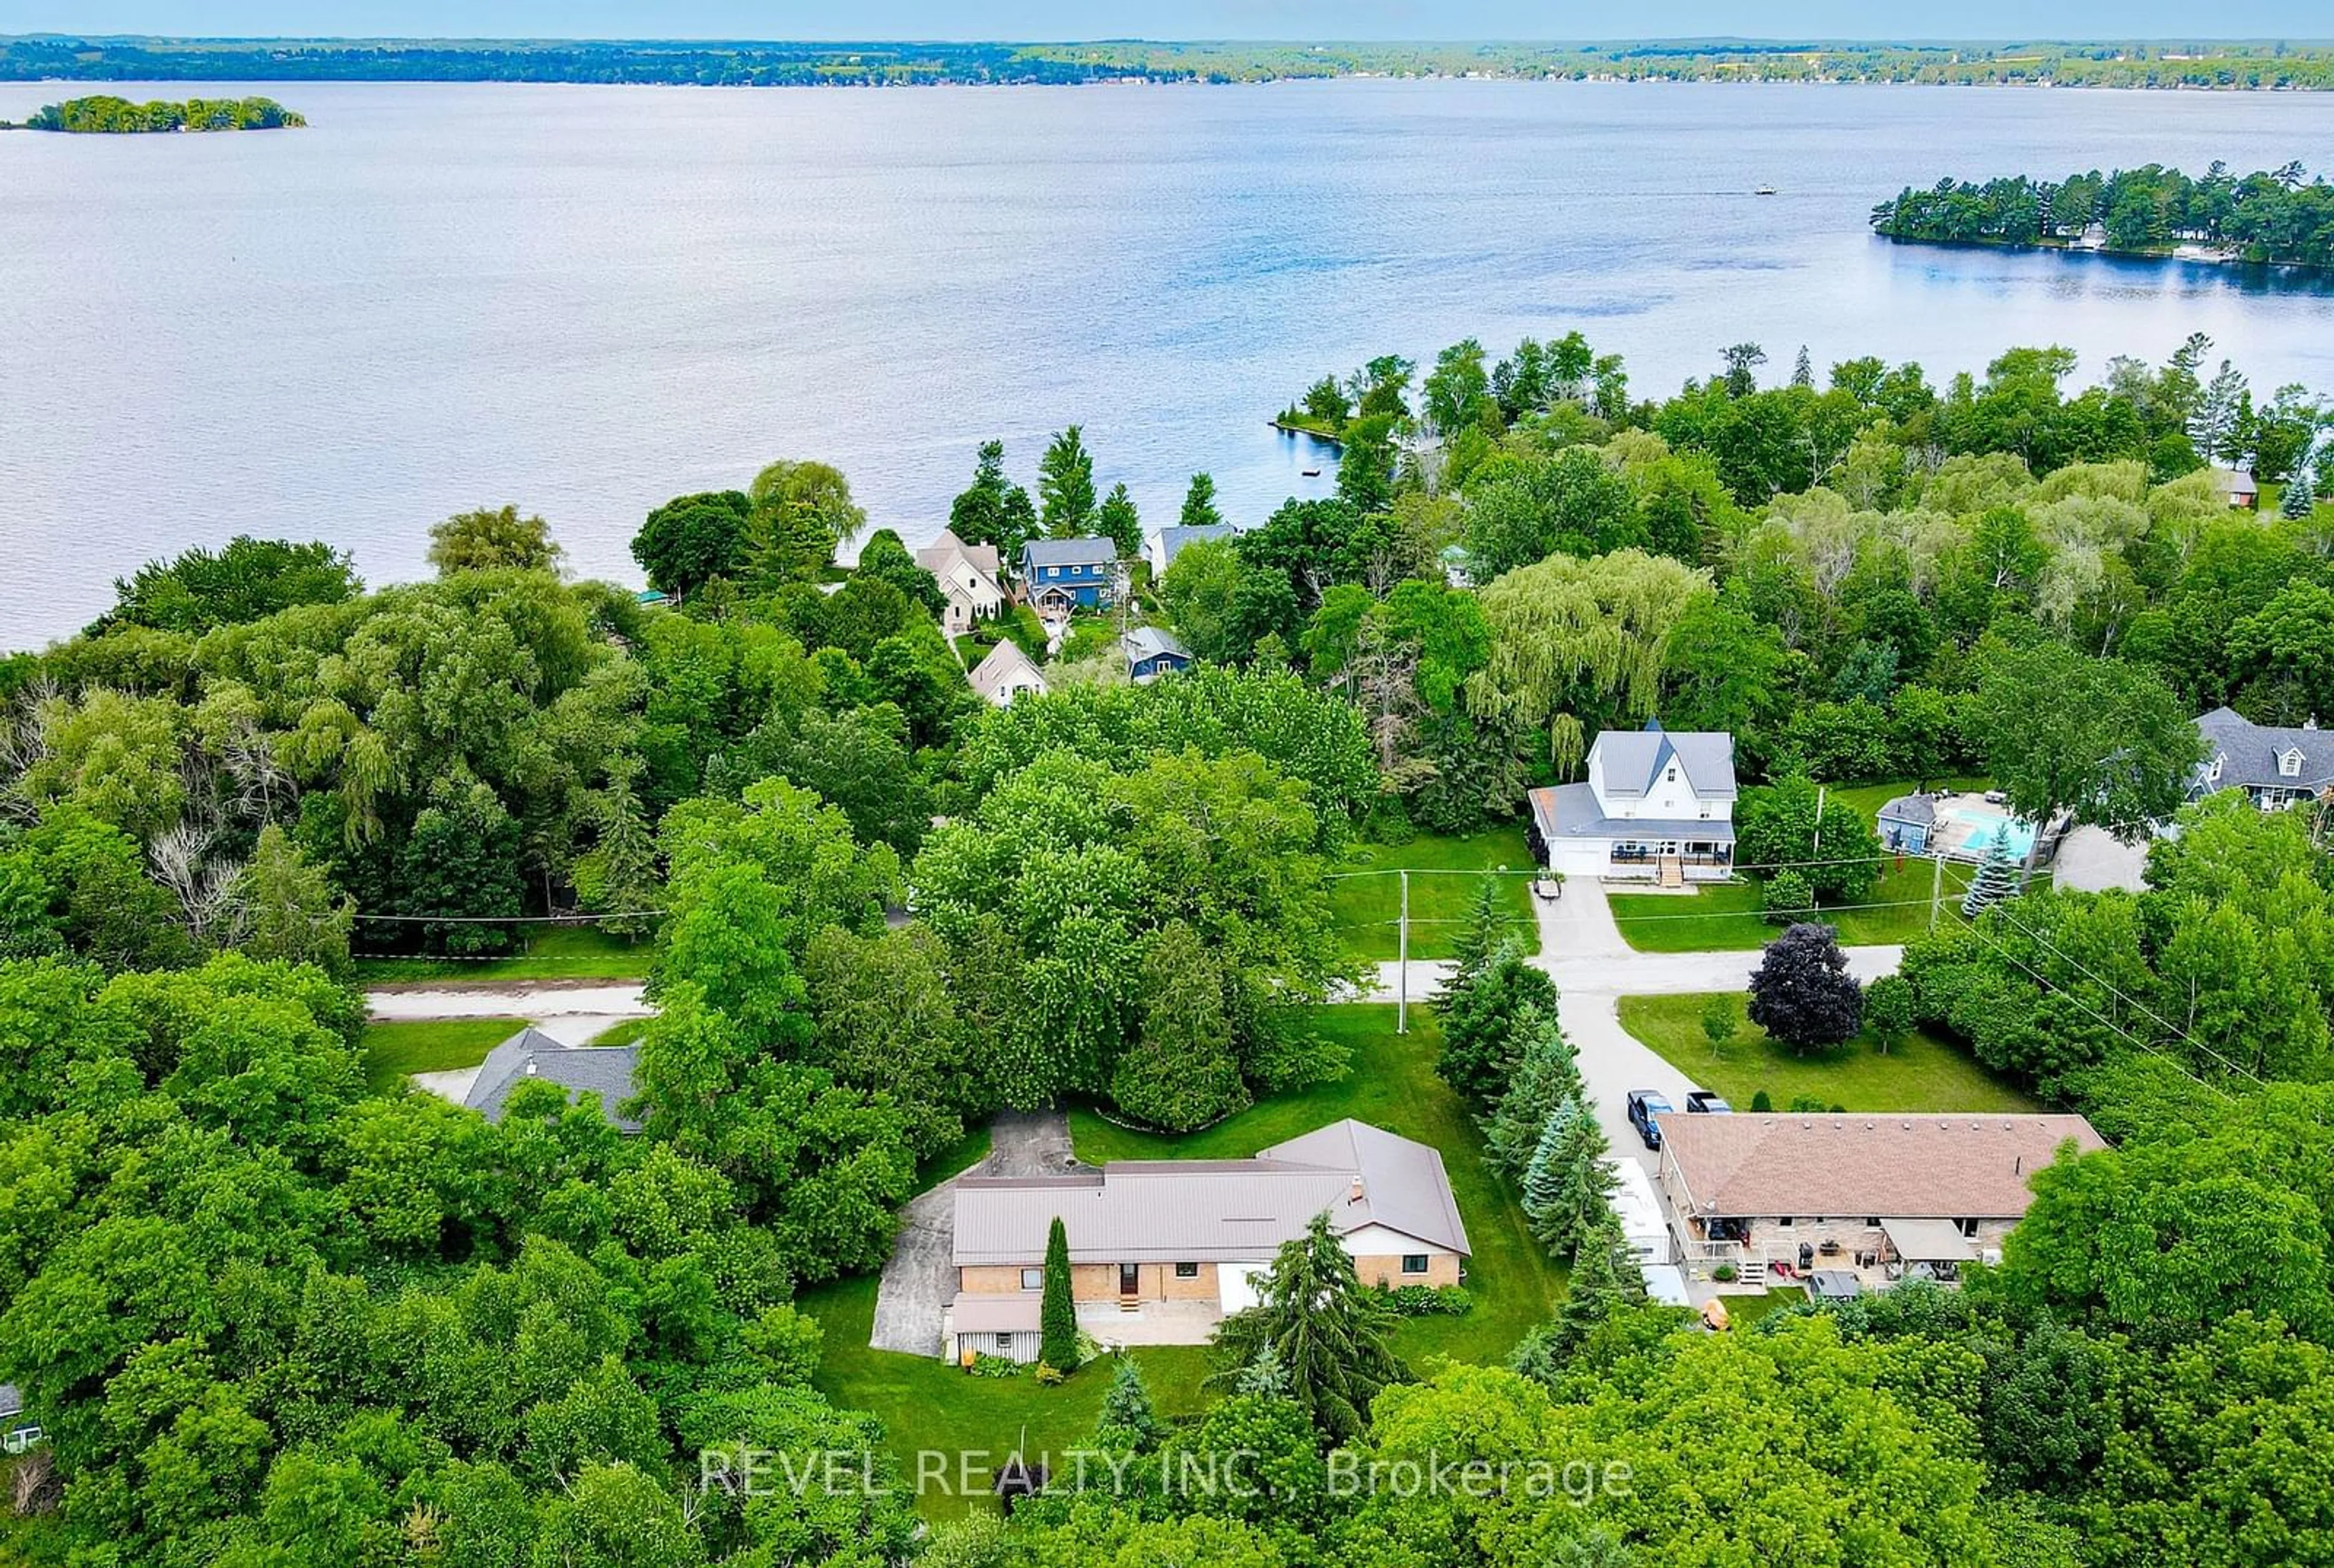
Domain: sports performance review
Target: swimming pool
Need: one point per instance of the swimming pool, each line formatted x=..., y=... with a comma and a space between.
x=1982, y=829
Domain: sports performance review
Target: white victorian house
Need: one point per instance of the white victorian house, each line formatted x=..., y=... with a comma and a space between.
x=967, y=576
x=1657, y=805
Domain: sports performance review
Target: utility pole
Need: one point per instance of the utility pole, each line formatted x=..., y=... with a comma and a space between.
x=1936, y=885
x=1821, y=790
x=1401, y=983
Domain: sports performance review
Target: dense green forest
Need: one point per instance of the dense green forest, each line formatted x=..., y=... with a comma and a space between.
x=2282, y=217
x=2103, y=63
x=272, y=1318
x=105, y=115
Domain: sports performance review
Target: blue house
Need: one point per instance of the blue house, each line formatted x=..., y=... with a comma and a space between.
x=1907, y=822
x=1062, y=574
x=1152, y=652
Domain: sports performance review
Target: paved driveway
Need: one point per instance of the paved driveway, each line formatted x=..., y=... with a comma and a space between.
x=920, y=1277
x=1582, y=950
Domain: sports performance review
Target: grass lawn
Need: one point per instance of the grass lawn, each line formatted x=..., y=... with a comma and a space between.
x=552, y=953
x=393, y=1050
x=1392, y=1085
x=1744, y=1310
x=928, y=1404
x=1366, y=907
x=1923, y=1073
x=1725, y=916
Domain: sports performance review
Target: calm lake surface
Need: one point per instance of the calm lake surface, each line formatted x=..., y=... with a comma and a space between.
x=587, y=299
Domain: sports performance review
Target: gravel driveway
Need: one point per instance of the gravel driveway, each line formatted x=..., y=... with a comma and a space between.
x=920, y=1278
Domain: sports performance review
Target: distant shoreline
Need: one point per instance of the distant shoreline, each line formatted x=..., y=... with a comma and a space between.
x=2241, y=66
x=2190, y=252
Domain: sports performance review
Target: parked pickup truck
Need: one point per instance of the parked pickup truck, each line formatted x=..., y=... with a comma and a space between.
x=1702, y=1099
x=1644, y=1104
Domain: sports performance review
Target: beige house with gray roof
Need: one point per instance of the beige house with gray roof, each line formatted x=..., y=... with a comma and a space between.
x=1161, y=1250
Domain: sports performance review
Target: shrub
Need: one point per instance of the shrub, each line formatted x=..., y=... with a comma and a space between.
x=1802, y=1104
x=1762, y=1100
x=1048, y=1376
x=985, y=1365
x=1788, y=897
x=1723, y=1273
x=1422, y=1301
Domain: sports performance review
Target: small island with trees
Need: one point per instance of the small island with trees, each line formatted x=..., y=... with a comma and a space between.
x=2280, y=218
x=106, y=115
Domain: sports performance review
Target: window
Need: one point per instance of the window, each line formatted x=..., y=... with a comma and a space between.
x=1187, y=1270
x=1783, y=1223
x=1413, y=1263
x=1004, y=1341
x=1872, y=1222
x=1033, y=1279
x=2289, y=764
x=1968, y=1228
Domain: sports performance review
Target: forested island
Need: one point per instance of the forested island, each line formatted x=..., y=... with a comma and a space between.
x=2281, y=217
x=270, y=1302
x=105, y=115
x=2234, y=65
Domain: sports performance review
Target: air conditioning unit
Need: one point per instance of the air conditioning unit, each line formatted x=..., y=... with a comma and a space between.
x=1990, y=1256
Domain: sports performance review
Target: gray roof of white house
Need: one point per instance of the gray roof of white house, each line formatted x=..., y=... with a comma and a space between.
x=944, y=551
x=1006, y=662
x=12, y=1400
x=2235, y=480
x=1172, y=540
x=2249, y=754
x=1084, y=552
x=1570, y=811
x=1632, y=760
x=605, y=1070
x=1214, y=1210
x=1150, y=642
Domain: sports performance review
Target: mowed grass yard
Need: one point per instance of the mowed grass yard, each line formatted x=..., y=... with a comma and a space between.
x=927, y=1404
x=1726, y=916
x=394, y=1050
x=1367, y=907
x=552, y=953
x=1923, y=1073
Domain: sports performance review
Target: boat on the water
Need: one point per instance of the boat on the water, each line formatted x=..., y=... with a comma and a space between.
x=1310, y=473
x=1764, y=190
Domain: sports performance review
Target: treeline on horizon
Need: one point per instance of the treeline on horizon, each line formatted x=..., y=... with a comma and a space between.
x=2231, y=65
x=106, y=115
x=2280, y=216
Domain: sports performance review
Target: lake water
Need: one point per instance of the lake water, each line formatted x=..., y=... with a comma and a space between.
x=586, y=300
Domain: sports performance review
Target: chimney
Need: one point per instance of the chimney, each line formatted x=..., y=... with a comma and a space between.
x=530, y=1067
x=1356, y=1195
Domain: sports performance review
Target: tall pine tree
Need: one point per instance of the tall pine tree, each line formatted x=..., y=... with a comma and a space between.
x=1057, y=1311
x=1546, y=1073
x=1996, y=879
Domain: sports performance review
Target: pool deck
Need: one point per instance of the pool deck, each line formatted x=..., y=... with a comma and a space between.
x=1967, y=825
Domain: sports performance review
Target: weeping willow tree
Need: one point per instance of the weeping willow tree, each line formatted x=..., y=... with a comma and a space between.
x=1576, y=641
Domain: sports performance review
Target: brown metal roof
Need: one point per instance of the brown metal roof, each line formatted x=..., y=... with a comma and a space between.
x=1748, y=1165
x=1214, y=1211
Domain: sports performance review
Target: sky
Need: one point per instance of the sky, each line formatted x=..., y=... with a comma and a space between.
x=1053, y=20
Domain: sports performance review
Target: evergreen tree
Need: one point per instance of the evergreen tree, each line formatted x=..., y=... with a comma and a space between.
x=1334, y=1338
x=1547, y=1074
x=1481, y=1044
x=1481, y=930
x=1065, y=486
x=2299, y=499
x=1129, y=1419
x=1199, y=504
x=1996, y=879
x=1058, y=1312
x=1803, y=370
x=1119, y=523
x=1569, y=1186
x=1264, y=1376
